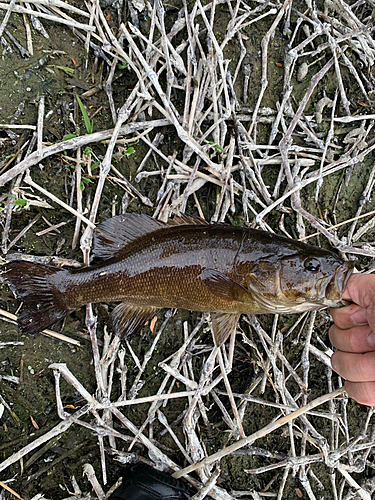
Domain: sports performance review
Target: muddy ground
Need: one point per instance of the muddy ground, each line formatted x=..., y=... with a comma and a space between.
x=32, y=400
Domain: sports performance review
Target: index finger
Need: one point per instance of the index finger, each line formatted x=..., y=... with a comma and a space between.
x=343, y=316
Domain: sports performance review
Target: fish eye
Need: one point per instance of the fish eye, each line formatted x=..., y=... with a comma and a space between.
x=312, y=265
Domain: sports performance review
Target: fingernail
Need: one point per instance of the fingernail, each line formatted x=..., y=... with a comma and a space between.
x=359, y=317
x=371, y=339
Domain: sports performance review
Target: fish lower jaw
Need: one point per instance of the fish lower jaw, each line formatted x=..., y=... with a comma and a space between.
x=314, y=306
x=309, y=306
x=296, y=308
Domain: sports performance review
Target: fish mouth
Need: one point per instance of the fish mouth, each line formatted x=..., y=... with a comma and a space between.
x=330, y=289
x=337, y=284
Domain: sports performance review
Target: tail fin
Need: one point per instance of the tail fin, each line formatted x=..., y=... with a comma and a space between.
x=42, y=304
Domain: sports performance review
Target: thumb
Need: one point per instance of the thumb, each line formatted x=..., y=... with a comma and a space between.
x=360, y=289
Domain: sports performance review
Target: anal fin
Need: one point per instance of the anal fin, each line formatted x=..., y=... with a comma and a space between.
x=128, y=320
x=223, y=325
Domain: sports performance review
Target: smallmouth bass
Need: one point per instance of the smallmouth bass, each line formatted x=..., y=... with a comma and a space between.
x=185, y=263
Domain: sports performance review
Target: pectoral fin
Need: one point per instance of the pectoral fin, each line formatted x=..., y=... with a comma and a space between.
x=222, y=286
x=128, y=320
x=223, y=325
x=254, y=295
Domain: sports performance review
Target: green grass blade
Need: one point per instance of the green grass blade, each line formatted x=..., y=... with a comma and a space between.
x=86, y=119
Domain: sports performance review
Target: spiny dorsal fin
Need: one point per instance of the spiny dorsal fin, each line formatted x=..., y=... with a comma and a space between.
x=115, y=233
x=182, y=219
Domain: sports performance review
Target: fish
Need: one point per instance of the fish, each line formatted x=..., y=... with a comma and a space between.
x=185, y=263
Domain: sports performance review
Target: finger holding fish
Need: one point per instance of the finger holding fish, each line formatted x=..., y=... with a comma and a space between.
x=353, y=335
x=362, y=392
x=357, y=339
x=355, y=367
x=349, y=316
x=359, y=290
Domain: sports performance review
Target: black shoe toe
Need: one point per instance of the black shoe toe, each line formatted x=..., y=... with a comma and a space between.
x=142, y=482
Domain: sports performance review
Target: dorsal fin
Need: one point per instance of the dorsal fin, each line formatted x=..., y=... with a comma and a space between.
x=182, y=219
x=114, y=234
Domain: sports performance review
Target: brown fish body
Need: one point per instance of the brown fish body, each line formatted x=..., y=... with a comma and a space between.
x=189, y=264
x=164, y=269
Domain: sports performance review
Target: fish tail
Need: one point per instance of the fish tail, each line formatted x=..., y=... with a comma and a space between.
x=41, y=302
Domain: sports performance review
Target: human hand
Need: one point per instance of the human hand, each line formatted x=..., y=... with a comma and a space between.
x=353, y=334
